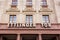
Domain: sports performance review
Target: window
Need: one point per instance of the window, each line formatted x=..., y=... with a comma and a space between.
x=44, y=2
x=29, y=2
x=12, y=19
x=14, y=2
x=46, y=18
x=29, y=19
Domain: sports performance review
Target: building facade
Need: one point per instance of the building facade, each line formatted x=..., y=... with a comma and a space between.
x=29, y=20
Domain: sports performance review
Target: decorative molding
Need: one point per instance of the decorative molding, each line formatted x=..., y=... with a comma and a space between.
x=36, y=23
x=3, y=23
x=13, y=10
x=45, y=9
x=29, y=9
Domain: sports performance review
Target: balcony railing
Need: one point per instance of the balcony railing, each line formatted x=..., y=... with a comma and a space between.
x=29, y=26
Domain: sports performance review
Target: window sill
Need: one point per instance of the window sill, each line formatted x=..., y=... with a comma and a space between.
x=13, y=6
x=28, y=5
x=44, y=6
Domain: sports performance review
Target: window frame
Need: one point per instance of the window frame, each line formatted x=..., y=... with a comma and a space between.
x=44, y=20
x=13, y=19
x=29, y=3
x=14, y=3
x=44, y=3
x=29, y=19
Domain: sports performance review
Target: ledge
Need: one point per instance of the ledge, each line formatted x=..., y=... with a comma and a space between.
x=13, y=9
x=29, y=9
x=37, y=26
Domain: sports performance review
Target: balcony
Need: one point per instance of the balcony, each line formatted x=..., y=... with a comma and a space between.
x=28, y=26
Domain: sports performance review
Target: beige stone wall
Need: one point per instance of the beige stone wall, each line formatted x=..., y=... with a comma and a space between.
x=57, y=7
x=37, y=16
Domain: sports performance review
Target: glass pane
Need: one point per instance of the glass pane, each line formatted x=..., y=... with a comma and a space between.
x=14, y=19
x=45, y=18
x=27, y=19
x=29, y=0
x=11, y=19
x=14, y=2
x=44, y=2
x=31, y=19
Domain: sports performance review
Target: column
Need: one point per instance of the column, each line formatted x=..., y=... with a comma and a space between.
x=0, y=37
x=18, y=37
x=40, y=38
x=59, y=37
